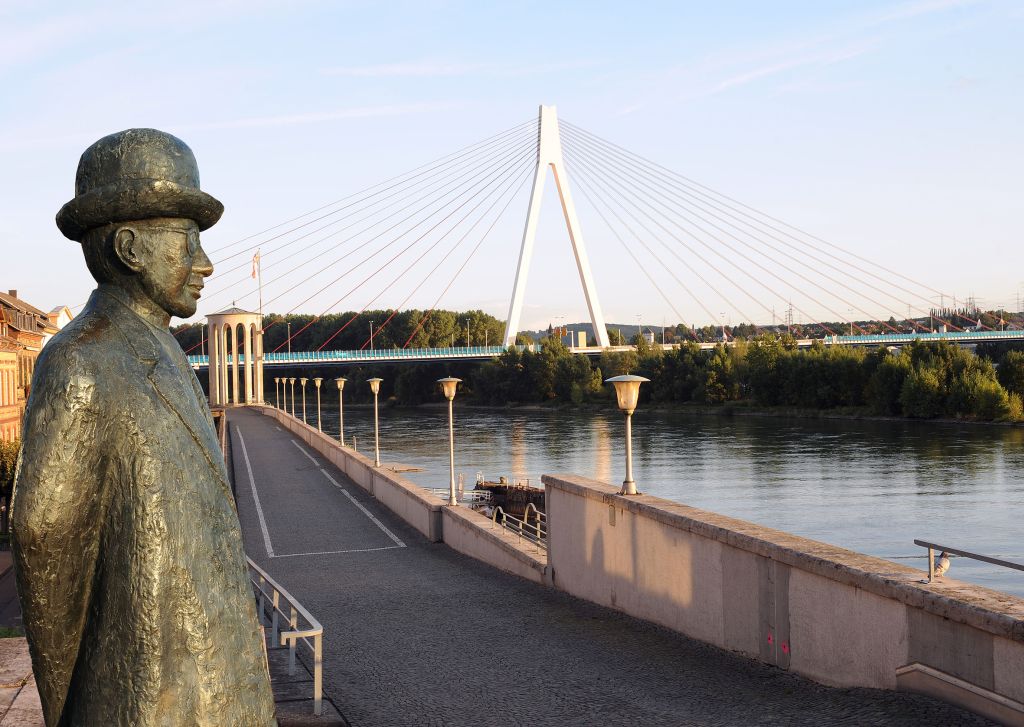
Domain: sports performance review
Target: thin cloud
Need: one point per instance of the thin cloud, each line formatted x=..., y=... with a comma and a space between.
x=418, y=70
x=433, y=69
x=792, y=64
x=322, y=116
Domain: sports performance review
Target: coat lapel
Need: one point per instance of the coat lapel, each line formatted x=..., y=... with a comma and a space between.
x=176, y=391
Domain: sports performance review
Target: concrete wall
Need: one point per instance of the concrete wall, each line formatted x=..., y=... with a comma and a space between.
x=462, y=529
x=833, y=615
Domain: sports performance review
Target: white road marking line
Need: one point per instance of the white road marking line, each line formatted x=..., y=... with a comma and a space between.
x=255, y=495
x=366, y=512
x=355, y=502
x=336, y=552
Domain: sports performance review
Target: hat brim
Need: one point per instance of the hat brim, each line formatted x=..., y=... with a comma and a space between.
x=139, y=199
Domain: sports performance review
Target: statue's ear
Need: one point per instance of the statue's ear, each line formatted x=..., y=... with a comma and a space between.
x=126, y=247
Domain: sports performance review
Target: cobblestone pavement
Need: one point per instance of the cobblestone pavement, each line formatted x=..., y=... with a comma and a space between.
x=421, y=635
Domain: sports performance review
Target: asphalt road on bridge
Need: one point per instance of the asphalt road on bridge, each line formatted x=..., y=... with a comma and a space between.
x=417, y=634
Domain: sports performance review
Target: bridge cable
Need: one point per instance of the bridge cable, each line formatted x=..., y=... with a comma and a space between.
x=500, y=172
x=431, y=164
x=636, y=160
x=515, y=189
x=497, y=198
x=465, y=262
x=457, y=173
x=608, y=189
x=464, y=186
x=645, y=184
x=584, y=187
x=732, y=222
x=693, y=183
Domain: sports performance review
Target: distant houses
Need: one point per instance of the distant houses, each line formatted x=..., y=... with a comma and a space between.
x=24, y=330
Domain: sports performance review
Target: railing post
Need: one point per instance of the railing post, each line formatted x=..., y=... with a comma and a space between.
x=318, y=674
x=273, y=626
x=931, y=564
x=293, y=625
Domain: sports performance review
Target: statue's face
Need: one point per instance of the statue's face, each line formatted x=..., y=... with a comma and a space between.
x=174, y=264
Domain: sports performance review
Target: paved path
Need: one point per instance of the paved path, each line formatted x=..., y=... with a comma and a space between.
x=416, y=634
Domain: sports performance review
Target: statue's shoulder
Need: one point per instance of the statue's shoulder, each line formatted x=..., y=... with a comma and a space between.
x=86, y=355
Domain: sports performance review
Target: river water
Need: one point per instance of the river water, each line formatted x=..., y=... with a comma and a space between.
x=870, y=486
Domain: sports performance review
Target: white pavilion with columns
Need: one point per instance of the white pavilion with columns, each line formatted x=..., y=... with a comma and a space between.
x=235, y=340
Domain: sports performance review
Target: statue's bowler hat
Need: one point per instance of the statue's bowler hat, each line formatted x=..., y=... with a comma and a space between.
x=136, y=174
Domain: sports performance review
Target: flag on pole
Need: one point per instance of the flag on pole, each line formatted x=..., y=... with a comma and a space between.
x=255, y=263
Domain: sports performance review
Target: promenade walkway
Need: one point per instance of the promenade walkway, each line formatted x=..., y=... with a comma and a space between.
x=417, y=634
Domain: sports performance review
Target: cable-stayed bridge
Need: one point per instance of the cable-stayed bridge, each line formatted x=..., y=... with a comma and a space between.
x=407, y=241
x=484, y=353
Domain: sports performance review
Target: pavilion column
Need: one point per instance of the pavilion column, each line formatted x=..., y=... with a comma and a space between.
x=259, y=364
x=214, y=366
x=248, y=346
x=225, y=400
x=235, y=395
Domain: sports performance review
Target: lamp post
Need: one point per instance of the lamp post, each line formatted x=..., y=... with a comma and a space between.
x=318, y=381
x=375, y=388
x=341, y=409
x=291, y=383
x=448, y=386
x=627, y=391
x=303, y=382
x=289, y=338
x=371, y=335
x=277, y=392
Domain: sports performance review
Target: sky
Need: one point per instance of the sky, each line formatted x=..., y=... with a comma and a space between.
x=889, y=129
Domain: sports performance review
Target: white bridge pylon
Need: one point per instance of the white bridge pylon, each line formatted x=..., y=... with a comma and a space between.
x=549, y=154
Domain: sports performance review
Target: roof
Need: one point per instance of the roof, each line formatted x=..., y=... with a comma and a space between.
x=60, y=309
x=20, y=305
x=234, y=310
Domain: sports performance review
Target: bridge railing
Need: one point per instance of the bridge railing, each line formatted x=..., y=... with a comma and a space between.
x=379, y=354
x=269, y=592
x=535, y=531
x=937, y=336
x=932, y=547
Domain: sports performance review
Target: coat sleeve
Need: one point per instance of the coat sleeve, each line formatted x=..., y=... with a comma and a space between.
x=58, y=508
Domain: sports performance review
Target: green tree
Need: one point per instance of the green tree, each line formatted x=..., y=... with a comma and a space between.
x=8, y=463
x=885, y=385
x=921, y=394
x=1011, y=372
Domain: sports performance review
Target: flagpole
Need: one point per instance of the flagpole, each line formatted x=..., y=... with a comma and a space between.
x=259, y=276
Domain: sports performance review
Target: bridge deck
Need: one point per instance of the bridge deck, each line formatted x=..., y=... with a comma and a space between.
x=416, y=633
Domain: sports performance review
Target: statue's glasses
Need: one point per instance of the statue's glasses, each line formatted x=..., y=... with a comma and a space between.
x=192, y=237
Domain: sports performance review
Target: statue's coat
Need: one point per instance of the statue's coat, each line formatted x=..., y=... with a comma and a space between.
x=127, y=544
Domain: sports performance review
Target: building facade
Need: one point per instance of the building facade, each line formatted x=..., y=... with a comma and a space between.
x=23, y=331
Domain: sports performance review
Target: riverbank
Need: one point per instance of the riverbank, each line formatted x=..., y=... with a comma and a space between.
x=731, y=409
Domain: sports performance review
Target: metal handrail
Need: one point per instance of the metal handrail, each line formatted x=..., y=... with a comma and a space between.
x=537, y=533
x=932, y=547
x=291, y=637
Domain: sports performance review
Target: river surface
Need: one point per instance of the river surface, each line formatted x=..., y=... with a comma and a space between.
x=870, y=486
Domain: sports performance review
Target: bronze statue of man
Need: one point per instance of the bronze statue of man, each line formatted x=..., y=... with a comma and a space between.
x=127, y=545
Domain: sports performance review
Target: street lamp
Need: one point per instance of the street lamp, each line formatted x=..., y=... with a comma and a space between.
x=318, y=381
x=375, y=388
x=371, y=335
x=448, y=386
x=277, y=392
x=291, y=382
x=303, y=382
x=289, y=339
x=627, y=391
x=341, y=410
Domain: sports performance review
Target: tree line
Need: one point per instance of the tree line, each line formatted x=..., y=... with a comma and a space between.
x=923, y=380
x=351, y=331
